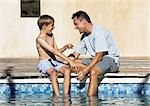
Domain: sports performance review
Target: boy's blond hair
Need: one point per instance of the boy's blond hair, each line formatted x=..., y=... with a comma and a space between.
x=45, y=20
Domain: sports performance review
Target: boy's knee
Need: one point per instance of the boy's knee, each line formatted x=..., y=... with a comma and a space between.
x=67, y=71
x=52, y=72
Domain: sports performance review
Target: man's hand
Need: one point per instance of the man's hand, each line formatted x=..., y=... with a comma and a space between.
x=81, y=75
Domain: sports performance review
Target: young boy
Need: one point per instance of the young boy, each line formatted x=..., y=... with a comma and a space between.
x=49, y=55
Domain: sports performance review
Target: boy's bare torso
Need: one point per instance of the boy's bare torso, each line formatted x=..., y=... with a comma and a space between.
x=43, y=53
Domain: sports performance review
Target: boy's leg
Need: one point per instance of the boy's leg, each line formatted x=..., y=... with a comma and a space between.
x=66, y=72
x=54, y=76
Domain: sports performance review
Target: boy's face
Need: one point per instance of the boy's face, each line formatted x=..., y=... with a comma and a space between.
x=49, y=28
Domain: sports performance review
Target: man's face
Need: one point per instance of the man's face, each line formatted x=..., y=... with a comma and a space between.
x=79, y=24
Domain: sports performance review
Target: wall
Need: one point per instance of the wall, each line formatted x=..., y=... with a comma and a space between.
x=128, y=20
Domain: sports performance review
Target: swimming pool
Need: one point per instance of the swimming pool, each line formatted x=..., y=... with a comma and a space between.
x=44, y=99
x=40, y=94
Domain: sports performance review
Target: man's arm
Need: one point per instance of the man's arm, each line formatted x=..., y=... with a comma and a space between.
x=94, y=61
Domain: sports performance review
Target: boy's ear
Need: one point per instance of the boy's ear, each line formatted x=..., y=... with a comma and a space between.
x=44, y=26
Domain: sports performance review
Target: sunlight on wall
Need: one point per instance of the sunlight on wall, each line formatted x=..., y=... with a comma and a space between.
x=128, y=20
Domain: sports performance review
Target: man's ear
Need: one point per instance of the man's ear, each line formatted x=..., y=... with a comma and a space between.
x=84, y=21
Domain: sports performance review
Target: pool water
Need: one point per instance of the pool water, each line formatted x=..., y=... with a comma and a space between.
x=43, y=99
x=41, y=95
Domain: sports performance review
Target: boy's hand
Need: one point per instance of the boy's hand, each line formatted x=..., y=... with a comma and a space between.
x=73, y=65
x=66, y=62
x=69, y=46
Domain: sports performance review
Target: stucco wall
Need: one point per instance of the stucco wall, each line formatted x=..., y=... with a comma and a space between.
x=128, y=20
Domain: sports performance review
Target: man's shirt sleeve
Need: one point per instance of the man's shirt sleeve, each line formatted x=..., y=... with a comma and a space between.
x=81, y=48
x=100, y=42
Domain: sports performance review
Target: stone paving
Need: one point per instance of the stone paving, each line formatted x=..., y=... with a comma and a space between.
x=26, y=67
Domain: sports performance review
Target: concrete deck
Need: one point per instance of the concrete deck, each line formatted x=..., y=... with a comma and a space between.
x=26, y=67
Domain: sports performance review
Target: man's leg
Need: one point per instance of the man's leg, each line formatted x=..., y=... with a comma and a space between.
x=93, y=84
x=93, y=101
x=94, y=73
x=107, y=64
x=54, y=76
x=66, y=72
x=82, y=83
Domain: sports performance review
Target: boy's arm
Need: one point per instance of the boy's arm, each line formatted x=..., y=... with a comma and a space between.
x=67, y=46
x=45, y=45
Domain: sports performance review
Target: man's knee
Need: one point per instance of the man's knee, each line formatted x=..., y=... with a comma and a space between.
x=94, y=72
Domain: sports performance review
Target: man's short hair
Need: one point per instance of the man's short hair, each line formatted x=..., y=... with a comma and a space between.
x=45, y=20
x=81, y=14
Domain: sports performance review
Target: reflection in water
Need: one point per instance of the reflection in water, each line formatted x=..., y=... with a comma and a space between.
x=143, y=97
x=93, y=101
x=37, y=99
x=75, y=101
x=60, y=101
x=11, y=85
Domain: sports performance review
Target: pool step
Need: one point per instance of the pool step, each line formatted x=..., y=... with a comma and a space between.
x=139, y=66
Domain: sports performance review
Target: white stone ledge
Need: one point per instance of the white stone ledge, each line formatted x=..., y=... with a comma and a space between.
x=74, y=80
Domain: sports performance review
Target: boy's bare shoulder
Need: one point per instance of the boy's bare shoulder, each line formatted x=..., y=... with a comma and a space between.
x=39, y=37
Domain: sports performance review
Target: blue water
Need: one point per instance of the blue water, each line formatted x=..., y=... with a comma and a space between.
x=108, y=95
x=78, y=99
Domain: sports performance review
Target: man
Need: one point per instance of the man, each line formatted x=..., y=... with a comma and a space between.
x=99, y=43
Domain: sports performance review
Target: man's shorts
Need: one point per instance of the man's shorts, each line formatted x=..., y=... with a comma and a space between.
x=107, y=64
x=44, y=65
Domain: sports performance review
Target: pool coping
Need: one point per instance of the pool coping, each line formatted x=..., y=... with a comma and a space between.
x=141, y=80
